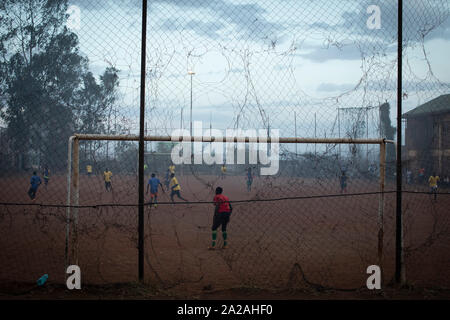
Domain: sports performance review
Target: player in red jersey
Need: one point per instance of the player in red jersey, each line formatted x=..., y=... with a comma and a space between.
x=222, y=214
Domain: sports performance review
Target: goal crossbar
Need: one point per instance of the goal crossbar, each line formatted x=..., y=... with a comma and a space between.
x=257, y=139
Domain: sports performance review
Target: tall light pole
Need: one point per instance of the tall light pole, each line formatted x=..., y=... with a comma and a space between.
x=191, y=73
x=181, y=119
x=295, y=129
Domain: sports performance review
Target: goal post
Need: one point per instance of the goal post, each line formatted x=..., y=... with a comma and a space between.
x=73, y=172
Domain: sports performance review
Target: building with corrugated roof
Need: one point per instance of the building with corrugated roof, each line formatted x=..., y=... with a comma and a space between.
x=427, y=137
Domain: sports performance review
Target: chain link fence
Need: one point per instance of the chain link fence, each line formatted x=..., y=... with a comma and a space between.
x=322, y=69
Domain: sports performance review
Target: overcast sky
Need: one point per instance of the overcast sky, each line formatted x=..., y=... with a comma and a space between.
x=259, y=63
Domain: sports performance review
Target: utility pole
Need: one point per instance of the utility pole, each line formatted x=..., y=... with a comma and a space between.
x=295, y=133
x=181, y=119
x=191, y=73
x=315, y=135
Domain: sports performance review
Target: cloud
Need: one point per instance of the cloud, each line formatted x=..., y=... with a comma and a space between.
x=248, y=19
x=389, y=85
x=332, y=87
x=90, y=5
x=322, y=54
x=419, y=18
x=206, y=29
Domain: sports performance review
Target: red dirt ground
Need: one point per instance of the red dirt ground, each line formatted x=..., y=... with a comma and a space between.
x=316, y=245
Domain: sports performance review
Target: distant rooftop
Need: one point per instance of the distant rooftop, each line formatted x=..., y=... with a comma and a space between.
x=440, y=104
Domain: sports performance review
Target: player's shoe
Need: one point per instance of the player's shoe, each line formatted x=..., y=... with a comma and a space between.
x=225, y=246
x=211, y=248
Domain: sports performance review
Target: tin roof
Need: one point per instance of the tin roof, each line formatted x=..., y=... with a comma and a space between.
x=440, y=104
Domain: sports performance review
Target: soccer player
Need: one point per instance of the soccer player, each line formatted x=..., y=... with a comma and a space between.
x=223, y=170
x=172, y=168
x=154, y=183
x=433, y=181
x=107, y=176
x=222, y=214
x=175, y=188
x=249, y=179
x=343, y=182
x=421, y=175
x=167, y=179
x=46, y=175
x=35, y=183
x=408, y=176
x=89, y=170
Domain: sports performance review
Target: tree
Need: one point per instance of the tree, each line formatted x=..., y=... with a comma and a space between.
x=46, y=88
x=165, y=147
x=40, y=69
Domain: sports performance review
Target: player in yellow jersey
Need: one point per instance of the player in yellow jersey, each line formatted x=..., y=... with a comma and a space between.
x=223, y=170
x=172, y=169
x=107, y=176
x=89, y=170
x=175, y=188
x=433, y=181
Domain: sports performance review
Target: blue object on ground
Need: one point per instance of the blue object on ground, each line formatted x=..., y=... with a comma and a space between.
x=42, y=280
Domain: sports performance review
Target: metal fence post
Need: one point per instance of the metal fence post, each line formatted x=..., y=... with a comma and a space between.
x=76, y=194
x=69, y=183
x=141, y=144
x=381, y=202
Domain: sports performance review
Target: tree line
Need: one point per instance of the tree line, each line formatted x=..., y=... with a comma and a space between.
x=47, y=90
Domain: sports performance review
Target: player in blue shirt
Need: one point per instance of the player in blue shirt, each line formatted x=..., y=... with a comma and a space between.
x=249, y=179
x=343, y=182
x=167, y=179
x=35, y=182
x=154, y=183
x=46, y=175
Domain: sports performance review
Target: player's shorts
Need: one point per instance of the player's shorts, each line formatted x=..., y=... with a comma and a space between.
x=433, y=189
x=107, y=184
x=175, y=193
x=221, y=219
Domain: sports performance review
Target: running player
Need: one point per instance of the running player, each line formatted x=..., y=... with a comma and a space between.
x=89, y=170
x=249, y=179
x=223, y=170
x=167, y=179
x=154, y=183
x=421, y=175
x=172, y=168
x=107, y=176
x=46, y=175
x=433, y=181
x=222, y=214
x=35, y=183
x=175, y=188
x=343, y=182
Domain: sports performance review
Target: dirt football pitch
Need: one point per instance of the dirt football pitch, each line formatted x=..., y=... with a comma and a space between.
x=321, y=242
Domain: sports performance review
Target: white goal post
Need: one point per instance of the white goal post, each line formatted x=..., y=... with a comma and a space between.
x=73, y=172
